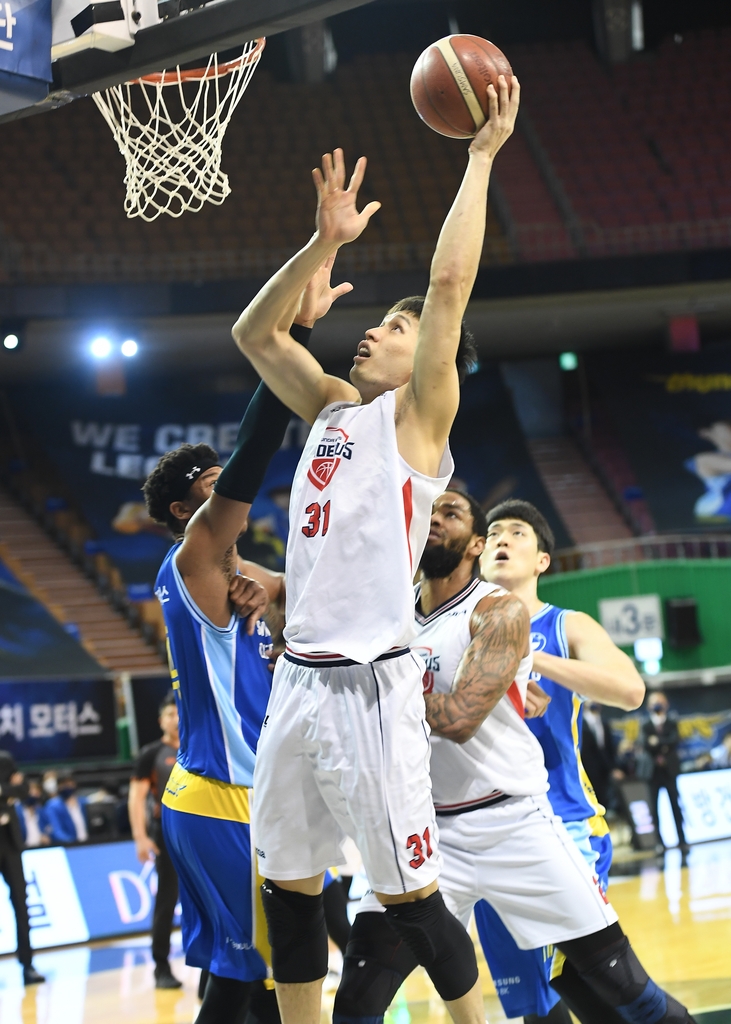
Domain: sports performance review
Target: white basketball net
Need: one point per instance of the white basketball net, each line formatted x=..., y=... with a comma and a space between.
x=174, y=157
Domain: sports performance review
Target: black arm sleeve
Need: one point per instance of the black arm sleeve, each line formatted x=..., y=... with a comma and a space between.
x=261, y=433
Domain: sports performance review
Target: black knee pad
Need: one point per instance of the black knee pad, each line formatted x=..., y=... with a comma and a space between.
x=376, y=962
x=616, y=975
x=297, y=934
x=439, y=943
x=558, y=1014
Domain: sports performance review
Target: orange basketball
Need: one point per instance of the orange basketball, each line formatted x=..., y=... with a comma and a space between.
x=449, y=83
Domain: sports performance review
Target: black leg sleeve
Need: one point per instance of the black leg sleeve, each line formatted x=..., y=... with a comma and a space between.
x=335, y=901
x=165, y=902
x=377, y=961
x=226, y=1001
x=263, y=1006
x=558, y=1015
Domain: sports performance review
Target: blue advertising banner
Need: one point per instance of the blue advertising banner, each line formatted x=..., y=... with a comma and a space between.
x=55, y=721
x=25, y=38
x=105, y=447
x=81, y=893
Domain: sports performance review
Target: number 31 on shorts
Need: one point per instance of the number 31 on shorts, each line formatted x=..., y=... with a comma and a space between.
x=421, y=847
x=319, y=521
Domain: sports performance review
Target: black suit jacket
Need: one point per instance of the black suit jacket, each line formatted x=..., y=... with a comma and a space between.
x=8, y=792
x=599, y=762
x=664, y=753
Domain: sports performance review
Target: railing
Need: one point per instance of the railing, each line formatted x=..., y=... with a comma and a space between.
x=38, y=263
x=642, y=549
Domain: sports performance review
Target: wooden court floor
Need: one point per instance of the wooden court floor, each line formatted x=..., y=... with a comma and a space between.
x=678, y=918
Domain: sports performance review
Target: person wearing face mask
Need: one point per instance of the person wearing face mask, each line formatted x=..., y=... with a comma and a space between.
x=12, y=789
x=32, y=817
x=660, y=738
x=49, y=783
x=66, y=813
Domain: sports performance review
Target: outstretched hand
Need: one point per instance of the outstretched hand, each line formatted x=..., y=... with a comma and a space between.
x=338, y=220
x=319, y=296
x=502, y=112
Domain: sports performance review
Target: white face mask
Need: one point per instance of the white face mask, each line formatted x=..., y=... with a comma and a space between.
x=50, y=785
x=658, y=717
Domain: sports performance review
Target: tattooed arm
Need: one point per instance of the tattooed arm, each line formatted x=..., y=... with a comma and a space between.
x=500, y=628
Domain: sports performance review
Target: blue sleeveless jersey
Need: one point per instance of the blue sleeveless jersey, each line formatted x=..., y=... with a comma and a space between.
x=559, y=731
x=221, y=679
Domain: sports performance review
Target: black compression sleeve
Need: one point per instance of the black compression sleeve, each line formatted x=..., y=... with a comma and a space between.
x=261, y=433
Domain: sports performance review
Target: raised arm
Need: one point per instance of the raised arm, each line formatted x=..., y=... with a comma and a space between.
x=596, y=668
x=205, y=559
x=294, y=375
x=500, y=629
x=434, y=385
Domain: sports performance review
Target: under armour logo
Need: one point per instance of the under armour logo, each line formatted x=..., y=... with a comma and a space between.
x=193, y=472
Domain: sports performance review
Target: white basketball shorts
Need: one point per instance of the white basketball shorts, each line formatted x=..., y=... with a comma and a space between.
x=518, y=856
x=344, y=750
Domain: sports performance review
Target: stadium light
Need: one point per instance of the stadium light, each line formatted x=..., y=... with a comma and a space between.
x=649, y=652
x=101, y=347
x=568, y=360
x=129, y=348
x=12, y=332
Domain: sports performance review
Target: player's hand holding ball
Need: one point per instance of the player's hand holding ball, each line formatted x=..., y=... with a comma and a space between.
x=462, y=86
x=338, y=220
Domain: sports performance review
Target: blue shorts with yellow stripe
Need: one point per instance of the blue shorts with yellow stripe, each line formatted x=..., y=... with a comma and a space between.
x=207, y=832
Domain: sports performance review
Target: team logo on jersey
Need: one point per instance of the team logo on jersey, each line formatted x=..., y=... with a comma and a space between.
x=333, y=447
x=537, y=641
x=431, y=662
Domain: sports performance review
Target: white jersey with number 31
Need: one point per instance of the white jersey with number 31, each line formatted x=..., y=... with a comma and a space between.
x=359, y=520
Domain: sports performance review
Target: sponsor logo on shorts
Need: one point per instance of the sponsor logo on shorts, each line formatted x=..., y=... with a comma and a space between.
x=260, y=853
x=333, y=447
x=239, y=945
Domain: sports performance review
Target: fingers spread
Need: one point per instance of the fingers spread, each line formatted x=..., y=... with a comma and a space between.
x=328, y=170
x=370, y=209
x=318, y=179
x=357, y=180
x=339, y=168
x=504, y=94
x=342, y=289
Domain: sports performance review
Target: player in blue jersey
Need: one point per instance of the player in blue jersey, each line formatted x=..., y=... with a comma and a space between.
x=219, y=662
x=573, y=658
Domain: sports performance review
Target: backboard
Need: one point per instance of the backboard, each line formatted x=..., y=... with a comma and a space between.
x=100, y=44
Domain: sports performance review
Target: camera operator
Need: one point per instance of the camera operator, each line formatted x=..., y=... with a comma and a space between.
x=12, y=788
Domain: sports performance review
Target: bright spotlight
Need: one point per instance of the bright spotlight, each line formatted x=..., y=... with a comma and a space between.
x=129, y=348
x=11, y=341
x=101, y=348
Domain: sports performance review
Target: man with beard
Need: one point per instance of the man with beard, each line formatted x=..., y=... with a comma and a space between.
x=499, y=837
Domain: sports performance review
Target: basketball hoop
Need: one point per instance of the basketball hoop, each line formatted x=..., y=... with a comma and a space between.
x=173, y=156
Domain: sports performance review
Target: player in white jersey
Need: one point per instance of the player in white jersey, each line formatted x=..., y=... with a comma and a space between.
x=499, y=837
x=344, y=749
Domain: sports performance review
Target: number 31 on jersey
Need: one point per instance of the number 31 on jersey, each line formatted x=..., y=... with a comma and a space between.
x=319, y=521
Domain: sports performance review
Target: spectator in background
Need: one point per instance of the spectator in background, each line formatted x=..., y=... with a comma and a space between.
x=49, y=783
x=66, y=820
x=599, y=754
x=32, y=816
x=151, y=773
x=12, y=789
x=720, y=756
x=660, y=738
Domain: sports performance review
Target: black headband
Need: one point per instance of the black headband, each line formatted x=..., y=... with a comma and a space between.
x=180, y=486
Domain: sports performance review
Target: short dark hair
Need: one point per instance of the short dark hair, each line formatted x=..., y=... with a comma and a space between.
x=167, y=701
x=479, y=519
x=515, y=508
x=161, y=488
x=466, y=351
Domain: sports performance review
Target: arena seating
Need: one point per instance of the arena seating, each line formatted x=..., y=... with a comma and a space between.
x=640, y=167
x=641, y=150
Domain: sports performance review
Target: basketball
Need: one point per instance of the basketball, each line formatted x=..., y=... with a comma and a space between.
x=449, y=83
